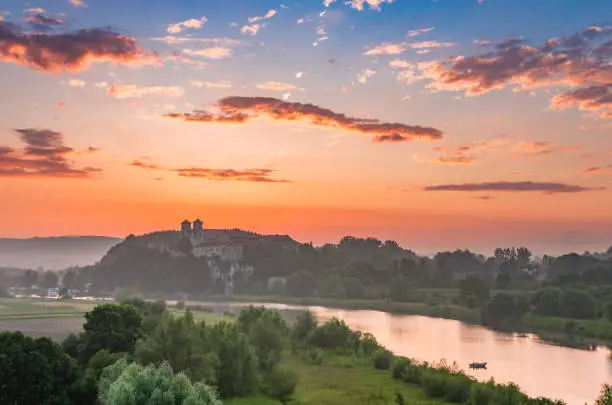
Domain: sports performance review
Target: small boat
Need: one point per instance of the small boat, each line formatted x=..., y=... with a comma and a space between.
x=478, y=365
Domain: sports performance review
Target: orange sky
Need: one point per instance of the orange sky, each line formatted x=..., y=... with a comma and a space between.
x=316, y=123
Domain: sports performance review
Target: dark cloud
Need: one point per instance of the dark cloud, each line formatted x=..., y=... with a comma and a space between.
x=580, y=60
x=508, y=186
x=43, y=23
x=250, y=175
x=44, y=155
x=72, y=51
x=236, y=109
x=484, y=197
x=455, y=159
x=592, y=98
x=597, y=170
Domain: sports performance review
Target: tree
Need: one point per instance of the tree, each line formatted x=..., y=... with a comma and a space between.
x=503, y=281
x=502, y=312
x=237, y=369
x=609, y=311
x=183, y=344
x=280, y=384
x=86, y=390
x=112, y=327
x=523, y=256
x=267, y=338
x=303, y=327
x=184, y=246
x=301, y=284
x=471, y=285
x=49, y=279
x=135, y=384
x=605, y=396
x=353, y=288
x=29, y=278
x=401, y=289
x=35, y=371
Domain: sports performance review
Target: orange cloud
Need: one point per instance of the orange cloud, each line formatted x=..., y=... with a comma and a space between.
x=251, y=175
x=539, y=148
x=134, y=91
x=595, y=170
x=237, y=109
x=73, y=51
x=44, y=155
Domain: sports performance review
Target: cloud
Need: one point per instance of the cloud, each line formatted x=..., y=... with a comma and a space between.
x=73, y=51
x=101, y=85
x=250, y=175
x=299, y=75
x=123, y=91
x=44, y=155
x=387, y=49
x=277, y=86
x=77, y=83
x=508, y=186
x=484, y=197
x=254, y=26
x=596, y=170
x=582, y=62
x=534, y=148
x=223, y=84
x=78, y=3
x=364, y=75
x=399, y=63
x=217, y=52
x=416, y=33
x=237, y=109
x=42, y=22
x=429, y=44
x=174, y=40
x=191, y=23
x=592, y=98
x=360, y=4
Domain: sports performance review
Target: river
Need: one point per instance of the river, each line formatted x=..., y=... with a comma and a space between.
x=539, y=368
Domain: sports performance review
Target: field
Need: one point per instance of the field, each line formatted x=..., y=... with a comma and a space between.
x=342, y=381
x=57, y=319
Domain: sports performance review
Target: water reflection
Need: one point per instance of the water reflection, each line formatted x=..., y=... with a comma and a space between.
x=539, y=368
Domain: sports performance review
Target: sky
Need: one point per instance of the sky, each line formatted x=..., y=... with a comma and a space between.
x=440, y=124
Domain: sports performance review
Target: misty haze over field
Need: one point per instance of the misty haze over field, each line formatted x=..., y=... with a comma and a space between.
x=54, y=253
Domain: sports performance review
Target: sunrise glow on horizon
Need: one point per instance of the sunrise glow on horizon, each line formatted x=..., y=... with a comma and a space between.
x=440, y=124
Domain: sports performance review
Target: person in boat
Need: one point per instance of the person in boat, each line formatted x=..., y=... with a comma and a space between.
x=478, y=365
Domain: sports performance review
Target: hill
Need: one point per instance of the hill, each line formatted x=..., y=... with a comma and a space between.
x=54, y=253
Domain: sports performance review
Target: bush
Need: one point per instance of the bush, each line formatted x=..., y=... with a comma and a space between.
x=481, y=394
x=383, y=359
x=415, y=374
x=367, y=345
x=280, y=384
x=434, y=384
x=333, y=334
x=457, y=388
x=399, y=367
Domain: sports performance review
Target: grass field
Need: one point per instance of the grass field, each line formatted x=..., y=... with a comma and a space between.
x=38, y=317
x=342, y=381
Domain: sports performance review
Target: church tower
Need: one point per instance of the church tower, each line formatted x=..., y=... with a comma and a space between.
x=186, y=229
x=197, y=229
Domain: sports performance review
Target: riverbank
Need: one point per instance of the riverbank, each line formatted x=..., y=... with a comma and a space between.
x=562, y=330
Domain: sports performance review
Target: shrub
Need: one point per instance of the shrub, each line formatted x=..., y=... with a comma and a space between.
x=434, y=384
x=481, y=394
x=415, y=374
x=280, y=384
x=458, y=388
x=383, y=359
x=399, y=367
x=333, y=334
x=570, y=326
x=368, y=345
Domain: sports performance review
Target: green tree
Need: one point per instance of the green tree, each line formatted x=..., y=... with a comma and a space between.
x=237, y=369
x=267, y=338
x=49, y=279
x=303, y=327
x=401, y=289
x=353, y=288
x=35, y=371
x=135, y=384
x=609, y=311
x=502, y=312
x=301, y=284
x=86, y=390
x=73, y=345
x=184, y=246
x=280, y=384
x=503, y=281
x=112, y=327
x=605, y=396
x=183, y=344
x=471, y=285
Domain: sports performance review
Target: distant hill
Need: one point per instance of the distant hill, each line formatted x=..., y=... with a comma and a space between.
x=54, y=253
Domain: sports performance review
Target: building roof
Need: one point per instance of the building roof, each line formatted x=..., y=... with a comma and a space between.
x=284, y=239
x=185, y=222
x=197, y=221
x=215, y=243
